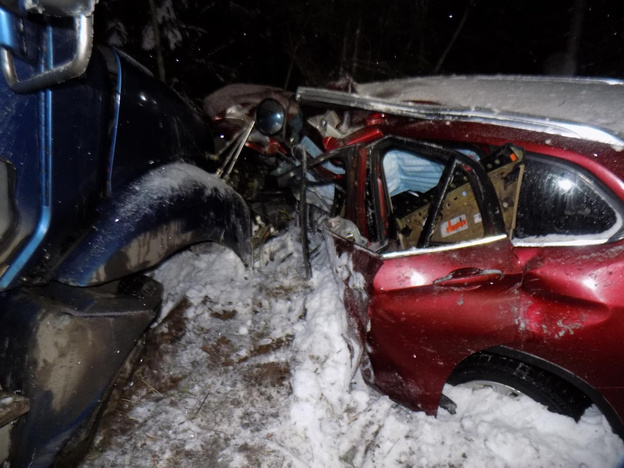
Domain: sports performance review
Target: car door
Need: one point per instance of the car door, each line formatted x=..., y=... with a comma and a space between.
x=447, y=276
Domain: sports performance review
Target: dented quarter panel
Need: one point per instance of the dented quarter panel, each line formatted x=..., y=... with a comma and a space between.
x=572, y=300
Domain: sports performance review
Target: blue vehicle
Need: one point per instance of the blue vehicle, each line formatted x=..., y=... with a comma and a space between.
x=104, y=172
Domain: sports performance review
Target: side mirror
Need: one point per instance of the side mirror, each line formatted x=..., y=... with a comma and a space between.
x=270, y=117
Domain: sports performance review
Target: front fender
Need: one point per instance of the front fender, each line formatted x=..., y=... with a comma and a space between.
x=167, y=209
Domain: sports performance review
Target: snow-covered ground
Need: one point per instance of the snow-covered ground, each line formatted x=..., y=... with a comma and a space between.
x=253, y=368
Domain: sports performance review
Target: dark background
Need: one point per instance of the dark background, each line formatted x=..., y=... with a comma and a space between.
x=204, y=45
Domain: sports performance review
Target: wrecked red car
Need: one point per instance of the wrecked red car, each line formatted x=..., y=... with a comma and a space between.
x=478, y=229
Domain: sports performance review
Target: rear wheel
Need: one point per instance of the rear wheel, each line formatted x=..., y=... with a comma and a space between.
x=514, y=378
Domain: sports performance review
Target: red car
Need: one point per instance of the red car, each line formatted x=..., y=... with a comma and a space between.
x=478, y=227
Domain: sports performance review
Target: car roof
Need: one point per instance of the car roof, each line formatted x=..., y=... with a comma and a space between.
x=590, y=109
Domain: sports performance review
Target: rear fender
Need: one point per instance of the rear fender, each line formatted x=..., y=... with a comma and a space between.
x=167, y=209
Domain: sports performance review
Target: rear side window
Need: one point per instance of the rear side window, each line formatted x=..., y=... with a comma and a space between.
x=558, y=203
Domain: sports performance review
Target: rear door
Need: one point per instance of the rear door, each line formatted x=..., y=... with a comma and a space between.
x=447, y=278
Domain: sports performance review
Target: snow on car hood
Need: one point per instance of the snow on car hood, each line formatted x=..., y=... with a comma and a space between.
x=257, y=371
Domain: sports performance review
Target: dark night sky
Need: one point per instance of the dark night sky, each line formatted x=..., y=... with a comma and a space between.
x=287, y=43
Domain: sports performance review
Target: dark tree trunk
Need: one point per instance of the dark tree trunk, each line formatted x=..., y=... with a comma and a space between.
x=160, y=61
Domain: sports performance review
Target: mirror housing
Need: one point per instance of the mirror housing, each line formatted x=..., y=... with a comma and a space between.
x=270, y=117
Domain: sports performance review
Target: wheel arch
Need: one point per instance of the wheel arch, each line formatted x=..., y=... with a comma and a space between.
x=164, y=211
x=581, y=385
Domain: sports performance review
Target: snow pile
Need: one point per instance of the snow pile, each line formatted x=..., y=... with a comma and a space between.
x=255, y=368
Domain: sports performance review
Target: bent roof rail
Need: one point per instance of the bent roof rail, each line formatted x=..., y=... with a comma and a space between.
x=471, y=114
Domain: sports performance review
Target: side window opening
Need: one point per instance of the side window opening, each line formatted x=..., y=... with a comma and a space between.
x=413, y=183
x=460, y=218
x=558, y=204
x=425, y=196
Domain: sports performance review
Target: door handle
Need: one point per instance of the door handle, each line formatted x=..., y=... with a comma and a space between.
x=469, y=277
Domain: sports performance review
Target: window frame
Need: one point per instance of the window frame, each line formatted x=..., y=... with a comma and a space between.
x=485, y=194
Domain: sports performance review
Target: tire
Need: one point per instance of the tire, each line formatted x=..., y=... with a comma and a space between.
x=513, y=378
